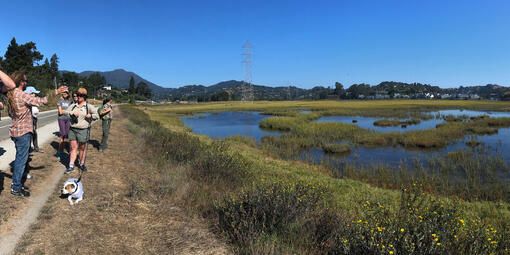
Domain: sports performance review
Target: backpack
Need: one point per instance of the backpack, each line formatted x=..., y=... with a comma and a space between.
x=99, y=110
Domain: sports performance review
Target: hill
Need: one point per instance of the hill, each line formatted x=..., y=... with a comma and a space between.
x=119, y=78
x=234, y=90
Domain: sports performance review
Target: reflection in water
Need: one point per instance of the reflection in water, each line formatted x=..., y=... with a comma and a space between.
x=224, y=124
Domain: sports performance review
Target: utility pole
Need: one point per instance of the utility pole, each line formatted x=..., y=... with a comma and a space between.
x=247, y=87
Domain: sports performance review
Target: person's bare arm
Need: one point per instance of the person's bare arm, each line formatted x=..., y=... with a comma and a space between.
x=7, y=81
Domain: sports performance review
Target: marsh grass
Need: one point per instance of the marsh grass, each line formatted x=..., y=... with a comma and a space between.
x=395, y=122
x=335, y=148
x=279, y=207
x=303, y=129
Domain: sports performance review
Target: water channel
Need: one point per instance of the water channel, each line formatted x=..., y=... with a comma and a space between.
x=224, y=124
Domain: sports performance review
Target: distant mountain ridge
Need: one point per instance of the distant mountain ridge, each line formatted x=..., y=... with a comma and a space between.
x=119, y=78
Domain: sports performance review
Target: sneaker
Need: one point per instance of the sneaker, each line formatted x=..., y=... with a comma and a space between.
x=29, y=176
x=68, y=170
x=38, y=150
x=100, y=149
x=58, y=154
x=83, y=168
x=20, y=193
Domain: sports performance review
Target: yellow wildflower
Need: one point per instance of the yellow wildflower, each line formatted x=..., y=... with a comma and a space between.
x=434, y=235
x=401, y=230
x=391, y=252
x=438, y=244
x=379, y=229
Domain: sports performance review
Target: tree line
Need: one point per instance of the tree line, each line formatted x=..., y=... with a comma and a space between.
x=46, y=76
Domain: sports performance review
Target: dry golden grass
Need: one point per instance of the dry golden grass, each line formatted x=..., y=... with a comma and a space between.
x=125, y=208
x=40, y=165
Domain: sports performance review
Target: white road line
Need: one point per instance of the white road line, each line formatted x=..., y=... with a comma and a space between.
x=38, y=118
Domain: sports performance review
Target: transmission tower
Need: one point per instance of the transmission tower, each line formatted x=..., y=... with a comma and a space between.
x=247, y=86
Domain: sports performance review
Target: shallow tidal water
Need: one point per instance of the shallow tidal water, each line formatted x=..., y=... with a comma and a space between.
x=224, y=124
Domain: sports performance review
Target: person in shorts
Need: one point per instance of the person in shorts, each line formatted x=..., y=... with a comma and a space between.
x=81, y=114
x=64, y=122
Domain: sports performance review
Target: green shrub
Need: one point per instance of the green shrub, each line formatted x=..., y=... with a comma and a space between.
x=218, y=162
x=266, y=209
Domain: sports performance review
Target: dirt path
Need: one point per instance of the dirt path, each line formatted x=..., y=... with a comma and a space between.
x=119, y=213
x=18, y=213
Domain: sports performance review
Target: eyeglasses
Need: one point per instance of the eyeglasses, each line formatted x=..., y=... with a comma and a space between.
x=75, y=96
x=81, y=95
x=25, y=80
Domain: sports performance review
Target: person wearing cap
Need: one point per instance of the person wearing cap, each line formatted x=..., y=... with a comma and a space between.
x=105, y=113
x=19, y=108
x=35, y=113
x=81, y=114
x=64, y=122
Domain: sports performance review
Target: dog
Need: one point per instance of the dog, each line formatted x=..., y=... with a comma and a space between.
x=74, y=189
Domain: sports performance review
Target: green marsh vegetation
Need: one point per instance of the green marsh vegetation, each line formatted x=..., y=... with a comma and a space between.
x=266, y=205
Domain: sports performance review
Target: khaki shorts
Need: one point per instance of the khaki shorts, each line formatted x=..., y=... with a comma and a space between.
x=78, y=134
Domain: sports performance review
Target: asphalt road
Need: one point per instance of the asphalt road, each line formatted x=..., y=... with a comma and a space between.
x=44, y=118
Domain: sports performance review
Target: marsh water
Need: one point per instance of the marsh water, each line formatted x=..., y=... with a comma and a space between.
x=224, y=124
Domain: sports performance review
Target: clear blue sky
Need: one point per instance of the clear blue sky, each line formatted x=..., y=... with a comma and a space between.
x=302, y=43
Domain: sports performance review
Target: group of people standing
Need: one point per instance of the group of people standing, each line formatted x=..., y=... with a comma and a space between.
x=74, y=119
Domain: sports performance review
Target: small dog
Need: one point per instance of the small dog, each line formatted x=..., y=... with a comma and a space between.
x=74, y=189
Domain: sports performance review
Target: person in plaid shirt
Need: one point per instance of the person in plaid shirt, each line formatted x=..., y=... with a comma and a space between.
x=19, y=109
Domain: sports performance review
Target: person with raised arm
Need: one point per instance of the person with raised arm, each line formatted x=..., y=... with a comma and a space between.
x=19, y=106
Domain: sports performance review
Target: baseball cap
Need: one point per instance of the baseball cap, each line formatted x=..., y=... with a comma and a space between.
x=31, y=90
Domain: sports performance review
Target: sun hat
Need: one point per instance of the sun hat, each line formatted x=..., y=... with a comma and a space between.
x=82, y=91
x=31, y=90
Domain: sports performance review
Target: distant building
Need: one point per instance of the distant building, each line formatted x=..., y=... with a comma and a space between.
x=107, y=87
x=462, y=96
x=474, y=96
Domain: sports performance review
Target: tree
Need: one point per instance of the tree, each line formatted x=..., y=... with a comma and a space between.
x=131, y=89
x=54, y=63
x=143, y=90
x=95, y=82
x=72, y=79
x=21, y=57
x=339, y=89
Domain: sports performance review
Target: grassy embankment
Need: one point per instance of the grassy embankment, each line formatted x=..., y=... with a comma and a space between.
x=267, y=205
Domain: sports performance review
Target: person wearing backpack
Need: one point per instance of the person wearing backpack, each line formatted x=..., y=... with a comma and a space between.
x=105, y=113
x=82, y=114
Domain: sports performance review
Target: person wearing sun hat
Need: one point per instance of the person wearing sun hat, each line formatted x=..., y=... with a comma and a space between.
x=81, y=114
x=35, y=113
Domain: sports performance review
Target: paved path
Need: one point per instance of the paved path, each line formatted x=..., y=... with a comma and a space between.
x=44, y=118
